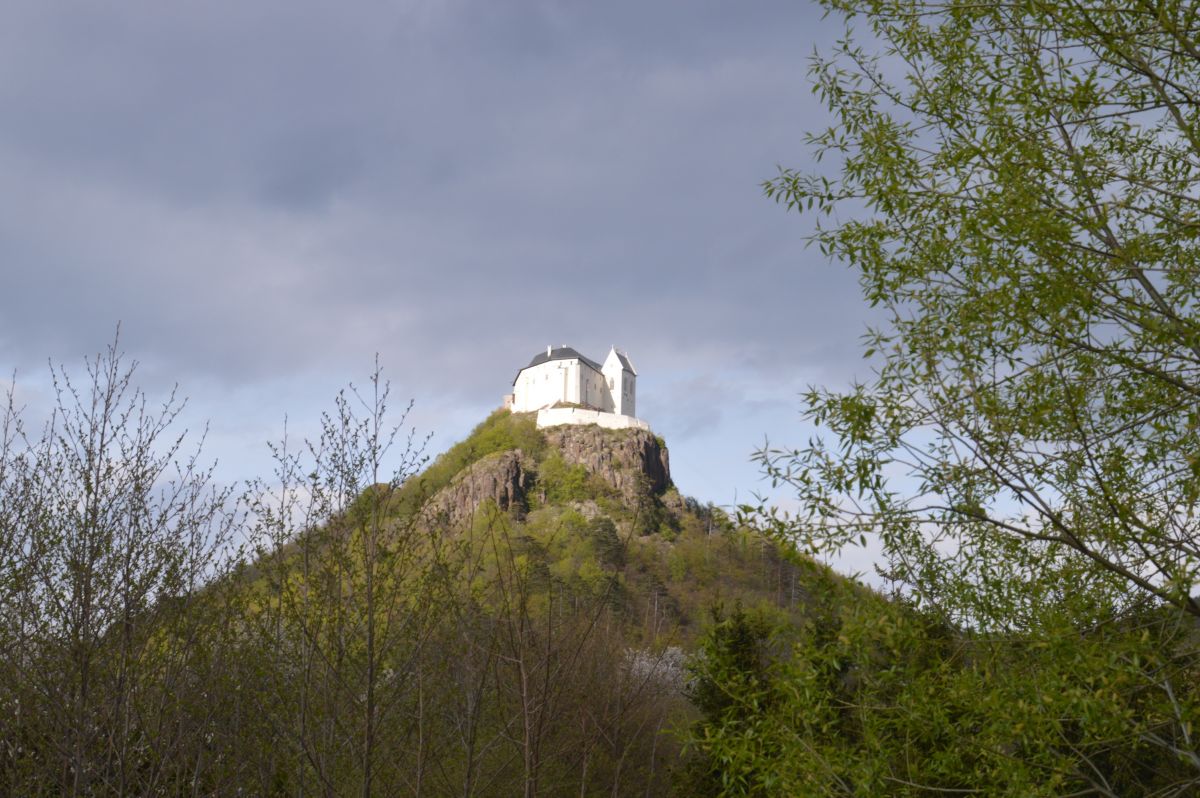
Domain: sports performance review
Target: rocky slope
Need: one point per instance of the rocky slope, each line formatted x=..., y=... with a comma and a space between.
x=633, y=465
x=594, y=511
x=632, y=461
x=504, y=478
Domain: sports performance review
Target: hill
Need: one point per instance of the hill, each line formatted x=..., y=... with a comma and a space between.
x=587, y=501
x=532, y=597
x=517, y=618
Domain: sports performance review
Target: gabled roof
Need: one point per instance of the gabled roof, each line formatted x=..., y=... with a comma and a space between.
x=622, y=360
x=559, y=353
x=625, y=364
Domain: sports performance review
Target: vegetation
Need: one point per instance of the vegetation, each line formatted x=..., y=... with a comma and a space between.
x=319, y=634
x=1015, y=186
x=562, y=482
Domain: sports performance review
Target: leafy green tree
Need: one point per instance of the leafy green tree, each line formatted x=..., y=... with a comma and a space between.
x=733, y=687
x=870, y=696
x=1029, y=232
x=609, y=546
x=1020, y=184
x=1016, y=186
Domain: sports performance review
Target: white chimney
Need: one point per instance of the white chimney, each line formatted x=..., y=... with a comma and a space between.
x=548, y=350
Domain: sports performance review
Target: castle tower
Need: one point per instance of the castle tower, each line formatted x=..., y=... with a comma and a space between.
x=620, y=378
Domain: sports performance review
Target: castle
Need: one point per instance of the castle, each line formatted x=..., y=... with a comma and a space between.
x=564, y=387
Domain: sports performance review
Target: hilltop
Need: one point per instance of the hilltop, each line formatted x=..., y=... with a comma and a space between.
x=556, y=487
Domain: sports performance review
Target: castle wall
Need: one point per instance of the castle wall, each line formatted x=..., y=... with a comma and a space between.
x=559, y=381
x=620, y=399
x=572, y=382
x=571, y=388
x=556, y=416
x=542, y=386
x=621, y=386
x=627, y=403
x=595, y=390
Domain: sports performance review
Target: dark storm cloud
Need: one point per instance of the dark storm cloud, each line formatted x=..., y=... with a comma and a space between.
x=260, y=189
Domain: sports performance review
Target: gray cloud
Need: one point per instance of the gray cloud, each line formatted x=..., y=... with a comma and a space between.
x=260, y=191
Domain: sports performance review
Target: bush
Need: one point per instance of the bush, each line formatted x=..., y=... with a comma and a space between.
x=561, y=482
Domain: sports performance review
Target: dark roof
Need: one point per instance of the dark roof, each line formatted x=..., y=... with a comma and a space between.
x=561, y=353
x=625, y=364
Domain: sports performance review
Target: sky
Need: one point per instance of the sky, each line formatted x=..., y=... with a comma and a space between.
x=264, y=195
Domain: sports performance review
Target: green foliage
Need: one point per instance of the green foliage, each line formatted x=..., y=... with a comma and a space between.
x=733, y=686
x=610, y=550
x=873, y=697
x=653, y=518
x=730, y=670
x=1015, y=185
x=562, y=483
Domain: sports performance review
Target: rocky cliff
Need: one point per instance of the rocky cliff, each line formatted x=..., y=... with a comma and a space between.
x=504, y=478
x=632, y=463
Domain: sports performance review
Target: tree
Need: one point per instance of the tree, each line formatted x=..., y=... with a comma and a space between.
x=734, y=690
x=344, y=606
x=1016, y=186
x=110, y=529
x=1030, y=234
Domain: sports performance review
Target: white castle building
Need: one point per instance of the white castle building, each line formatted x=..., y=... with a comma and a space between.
x=564, y=387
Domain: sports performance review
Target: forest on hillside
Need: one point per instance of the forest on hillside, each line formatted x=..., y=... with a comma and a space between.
x=452, y=627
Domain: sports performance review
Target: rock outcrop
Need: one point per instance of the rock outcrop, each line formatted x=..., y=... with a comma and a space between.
x=632, y=461
x=504, y=478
